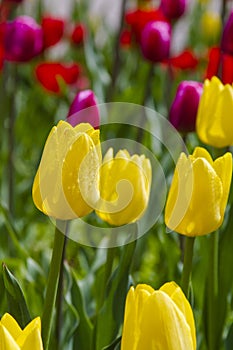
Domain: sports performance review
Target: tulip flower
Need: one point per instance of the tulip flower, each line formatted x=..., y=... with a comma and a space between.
x=198, y=195
x=173, y=9
x=80, y=111
x=12, y=337
x=124, y=187
x=214, y=119
x=155, y=41
x=227, y=36
x=184, y=108
x=65, y=185
x=48, y=74
x=216, y=60
x=211, y=26
x=138, y=18
x=78, y=34
x=185, y=60
x=53, y=30
x=23, y=39
x=158, y=319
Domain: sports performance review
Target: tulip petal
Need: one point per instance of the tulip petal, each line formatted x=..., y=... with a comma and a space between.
x=176, y=294
x=194, y=198
x=10, y=323
x=165, y=327
x=31, y=336
x=7, y=342
x=223, y=167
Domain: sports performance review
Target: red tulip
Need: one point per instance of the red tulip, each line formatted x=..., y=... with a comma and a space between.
x=126, y=38
x=84, y=109
x=185, y=60
x=48, y=75
x=78, y=34
x=155, y=41
x=53, y=30
x=220, y=64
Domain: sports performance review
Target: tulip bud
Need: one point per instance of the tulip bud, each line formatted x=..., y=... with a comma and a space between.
x=227, y=36
x=184, y=108
x=158, y=319
x=198, y=194
x=173, y=9
x=84, y=109
x=23, y=39
x=78, y=34
x=155, y=41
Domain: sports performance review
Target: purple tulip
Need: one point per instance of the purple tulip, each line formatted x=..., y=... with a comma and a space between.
x=23, y=39
x=155, y=41
x=227, y=36
x=184, y=108
x=173, y=9
x=84, y=109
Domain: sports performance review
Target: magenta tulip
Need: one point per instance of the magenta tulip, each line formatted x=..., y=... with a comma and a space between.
x=84, y=109
x=227, y=36
x=184, y=108
x=173, y=9
x=155, y=41
x=23, y=39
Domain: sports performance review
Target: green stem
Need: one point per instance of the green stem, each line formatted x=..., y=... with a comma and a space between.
x=111, y=253
x=52, y=285
x=187, y=266
x=213, y=290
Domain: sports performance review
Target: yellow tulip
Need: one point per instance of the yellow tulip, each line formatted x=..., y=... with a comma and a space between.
x=12, y=337
x=66, y=183
x=124, y=187
x=198, y=195
x=158, y=319
x=211, y=25
x=214, y=117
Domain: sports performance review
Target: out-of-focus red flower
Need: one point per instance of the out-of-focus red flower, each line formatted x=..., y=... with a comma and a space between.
x=78, y=34
x=221, y=64
x=53, y=30
x=49, y=73
x=227, y=69
x=126, y=38
x=185, y=60
x=137, y=20
x=22, y=39
x=173, y=9
x=213, y=62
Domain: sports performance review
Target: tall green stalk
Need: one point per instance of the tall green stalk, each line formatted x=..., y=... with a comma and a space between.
x=187, y=266
x=52, y=285
x=213, y=291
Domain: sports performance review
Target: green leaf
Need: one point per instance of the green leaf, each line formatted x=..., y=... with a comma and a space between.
x=111, y=314
x=229, y=340
x=83, y=334
x=17, y=304
x=114, y=345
